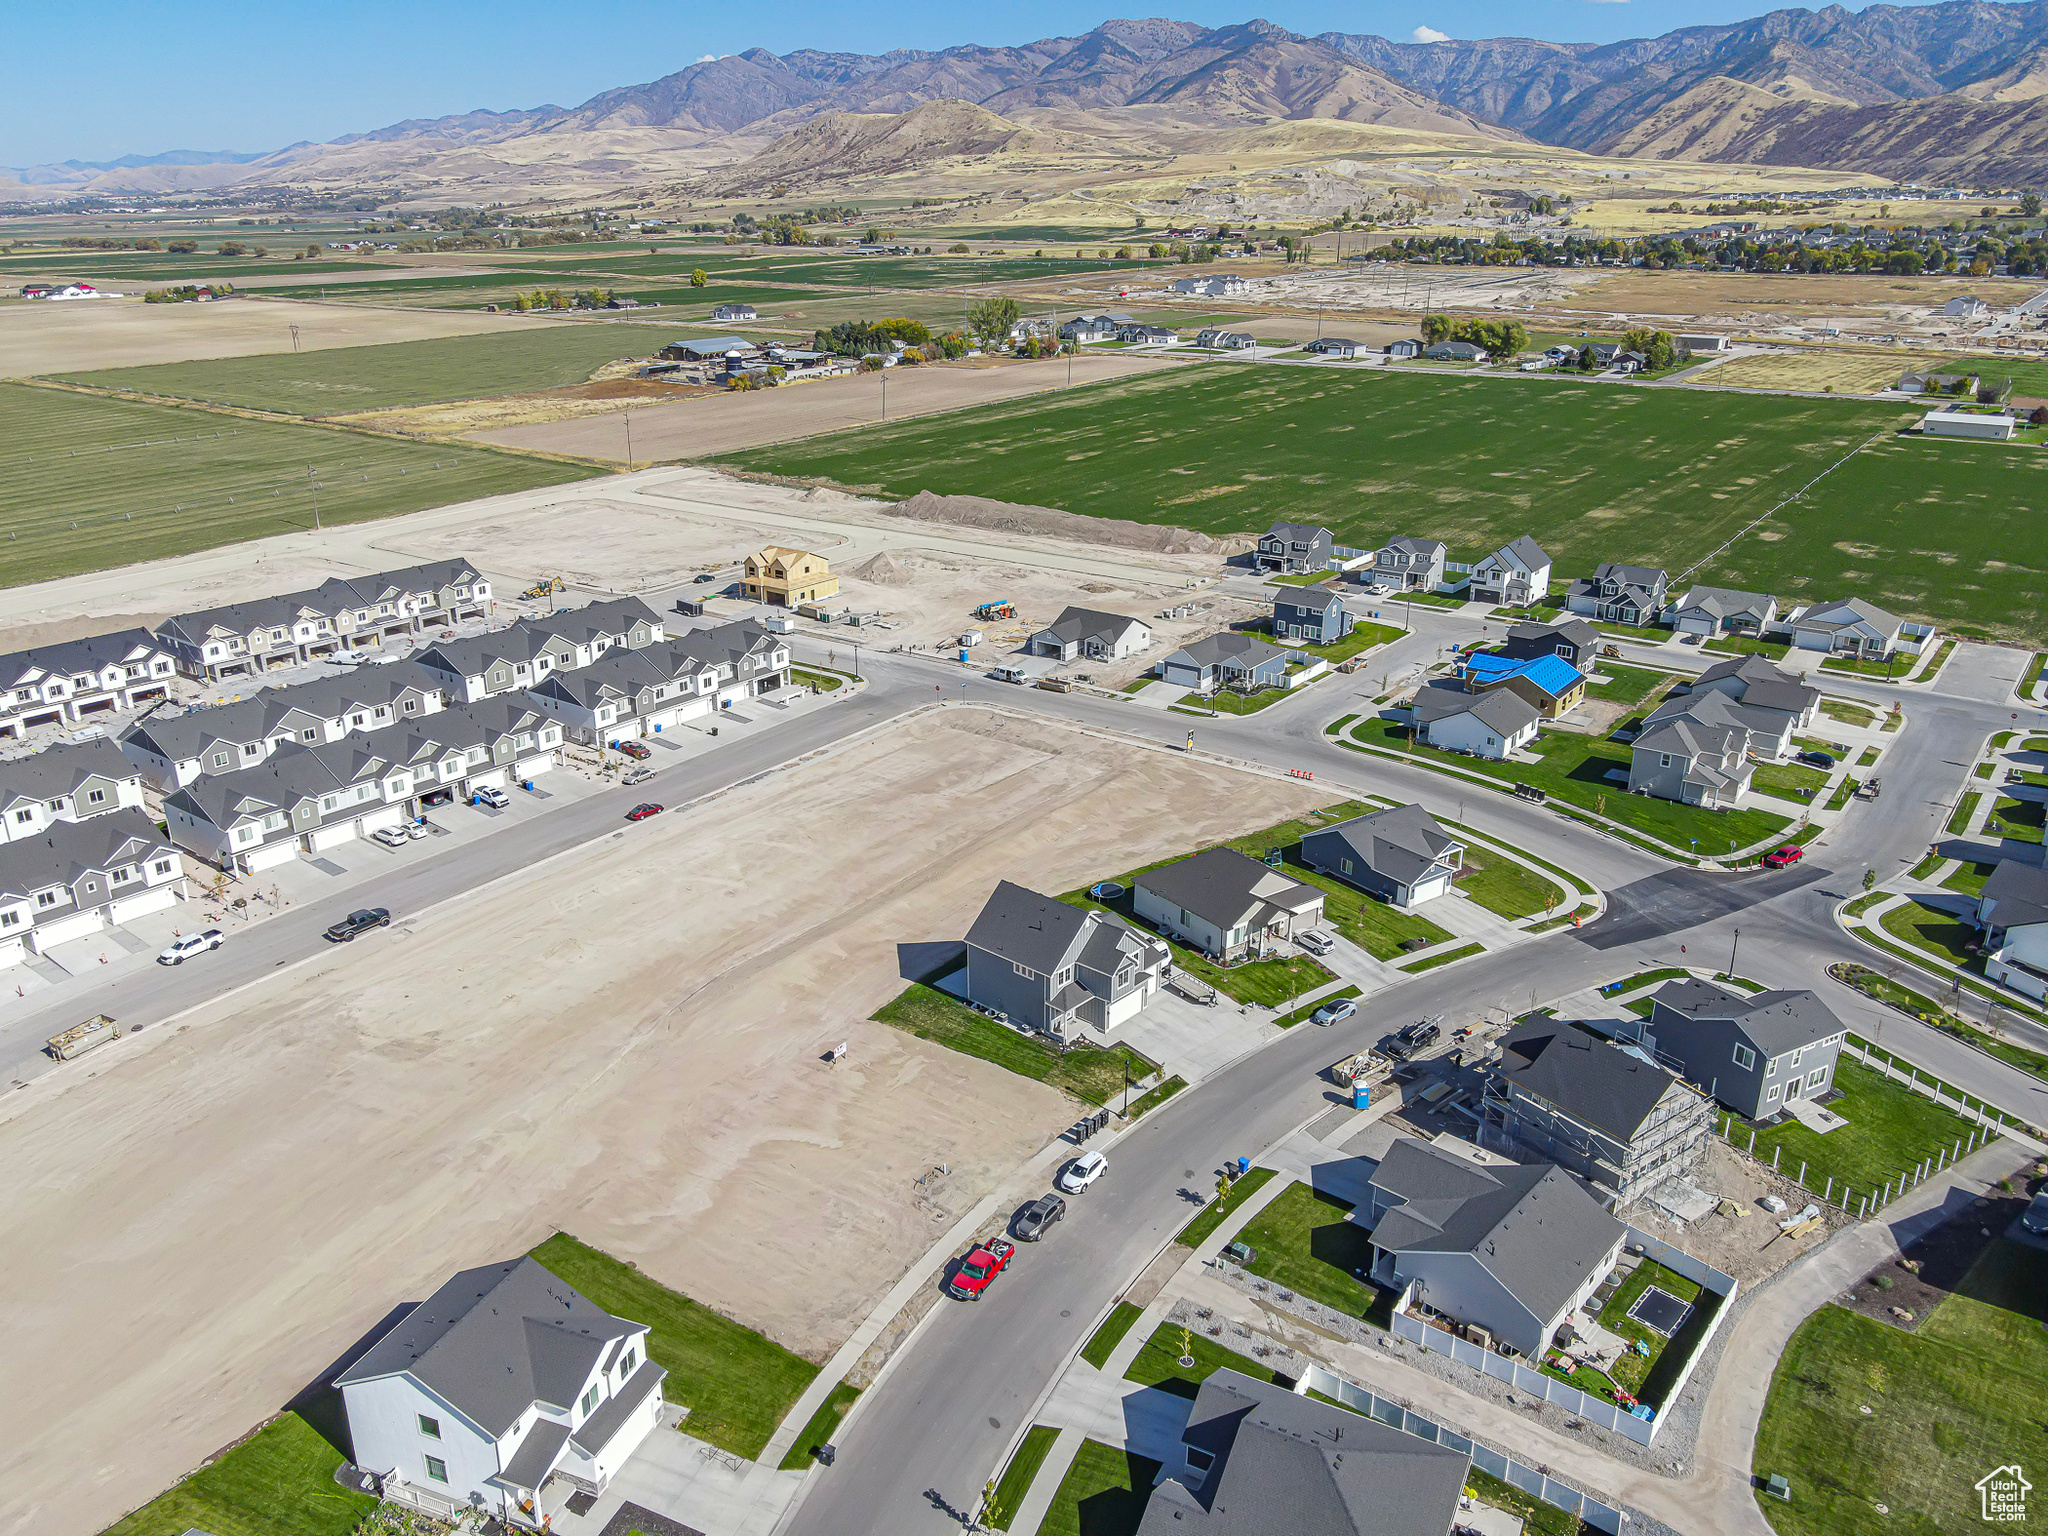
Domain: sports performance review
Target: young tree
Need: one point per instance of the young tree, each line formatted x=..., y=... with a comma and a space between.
x=989, y=321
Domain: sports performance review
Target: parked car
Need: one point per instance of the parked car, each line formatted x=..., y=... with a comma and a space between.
x=644, y=810
x=1816, y=759
x=1782, y=858
x=1315, y=941
x=977, y=1272
x=391, y=837
x=1418, y=1035
x=637, y=750
x=417, y=828
x=492, y=796
x=1688, y=639
x=636, y=776
x=1334, y=1012
x=2035, y=1217
x=361, y=921
x=192, y=944
x=1082, y=1172
x=1038, y=1215
x=704, y=576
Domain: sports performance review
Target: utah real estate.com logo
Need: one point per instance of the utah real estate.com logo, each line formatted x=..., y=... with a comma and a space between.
x=2004, y=1492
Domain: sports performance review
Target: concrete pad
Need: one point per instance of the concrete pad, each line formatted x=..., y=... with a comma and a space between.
x=1159, y=695
x=1814, y=1117
x=688, y=1480
x=1117, y=1412
x=1194, y=1041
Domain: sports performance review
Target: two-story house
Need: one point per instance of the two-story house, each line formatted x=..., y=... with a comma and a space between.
x=1407, y=564
x=1515, y=575
x=1620, y=594
x=1061, y=970
x=2012, y=911
x=630, y=694
x=785, y=578
x=248, y=638
x=505, y=1391
x=1574, y=640
x=1226, y=905
x=1401, y=855
x=77, y=878
x=75, y=679
x=597, y=628
x=1294, y=547
x=1766, y=693
x=65, y=783
x=1697, y=752
x=748, y=659
x=511, y=659
x=1314, y=615
x=1755, y=1052
x=1710, y=611
x=1550, y=684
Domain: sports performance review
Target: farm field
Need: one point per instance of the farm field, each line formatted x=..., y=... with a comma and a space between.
x=348, y=379
x=1590, y=471
x=1847, y=373
x=145, y=481
x=155, y=269
x=2029, y=376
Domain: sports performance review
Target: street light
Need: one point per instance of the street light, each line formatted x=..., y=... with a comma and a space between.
x=1731, y=953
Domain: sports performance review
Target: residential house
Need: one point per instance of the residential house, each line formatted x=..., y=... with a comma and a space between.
x=1405, y=348
x=2012, y=911
x=1695, y=750
x=506, y=1392
x=1313, y=615
x=1134, y=334
x=1408, y=565
x=1334, y=346
x=1454, y=352
x=1225, y=904
x=1574, y=640
x=1494, y=725
x=1084, y=329
x=1601, y=1110
x=1510, y=1248
x=65, y=783
x=1400, y=855
x=77, y=878
x=1763, y=690
x=73, y=680
x=1229, y=286
x=1959, y=384
x=1093, y=634
x=1514, y=575
x=1258, y=1459
x=1603, y=352
x=520, y=657
x=629, y=694
x=1226, y=341
x=1231, y=659
x=783, y=577
x=1620, y=594
x=1755, y=1052
x=1770, y=731
x=1552, y=685
x=1848, y=627
x=1965, y=307
x=1628, y=362
x=595, y=628
x=1058, y=969
x=748, y=659
x=1294, y=547
x=731, y=312
x=1710, y=611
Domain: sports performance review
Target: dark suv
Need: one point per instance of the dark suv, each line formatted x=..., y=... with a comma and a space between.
x=1416, y=1036
x=359, y=922
x=1039, y=1215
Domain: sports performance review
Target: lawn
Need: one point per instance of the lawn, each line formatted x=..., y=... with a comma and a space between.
x=1363, y=637
x=1862, y=1413
x=278, y=1482
x=87, y=483
x=1788, y=781
x=1213, y=1215
x=1848, y=714
x=824, y=682
x=1928, y=928
x=1625, y=685
x=1747, y=645
x=1155, y=1097
x=1103, y=1494
x=1574, y=769
x=1102, y=1344
x=737, y=1384
x=819, y=1430
x=2017, y=821
x=1965, y=809
x=1968, y=879
x=1158, y=1363
x=1928, y=1011
x=1226, y=702
x=1633, y=1372
x=1305, y=1243
x=337, y=380
x=1897, y=665
x=1502, y=886
x=1088, y=1072
x=1444, y=957
x=1891, y=1128
x=1022, y=1470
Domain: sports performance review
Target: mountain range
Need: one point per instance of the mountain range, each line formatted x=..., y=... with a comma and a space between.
x=1955, y=91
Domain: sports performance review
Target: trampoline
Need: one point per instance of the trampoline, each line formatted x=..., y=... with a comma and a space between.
x=1660, y=1311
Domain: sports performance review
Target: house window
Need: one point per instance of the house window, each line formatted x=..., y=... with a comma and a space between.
x=24, y=817
x=9, y=919
x=626, y=1363
x=590, y=1399
x=431, y=1428
x=162, y=866
x=46, y=898
x=1745, y=1058
x=1344, y=865
x=437, y=1470
x=1771, y=1067
x=96, y=797
x=311, y=733
x=1664, y=760
x=1023, y=970
x=1772, y=1096
x=123, y=876
x=1816, y=1077
x=220, y=759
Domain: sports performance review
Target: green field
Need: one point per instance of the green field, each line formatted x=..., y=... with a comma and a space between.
x=88, y=483
x=1891, y=1129
x=1592, y=473
x=345, y=379
x=278, y=1482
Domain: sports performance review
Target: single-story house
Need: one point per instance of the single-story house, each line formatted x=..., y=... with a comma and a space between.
x=1407, y=564
x=1573, y=639
x=1696, y=753
x=1629, y=362
x=1260, y=1460
x=1752, y=1051
x=1620, y=594
x=505, y=1391
x=1516, y=574
x=1512, y=1248
x=1294, y=547
x=2012, y=909
x=732, y=312
x=1091, y=633
x=1334, y=346
x=1454, y=352
x=1763, y=690
x=1231, y=659
x=1226, y=341
x=1848, y=627
x=1962, y=385
x=1083, y=329
x=1227, y=905
x=1061, y=969
x=1400, y=855
x=1146, y=335
x=1493, y=725
x=1229, y=286
x=1314, y=615
x=1406, y=347
x=1713, y=611
x=1550, y=683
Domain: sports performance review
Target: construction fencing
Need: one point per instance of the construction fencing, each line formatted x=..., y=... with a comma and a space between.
x=1358, y=1399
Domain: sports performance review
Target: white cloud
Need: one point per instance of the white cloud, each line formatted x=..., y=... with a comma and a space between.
x=1430, y=35
x=707, y=58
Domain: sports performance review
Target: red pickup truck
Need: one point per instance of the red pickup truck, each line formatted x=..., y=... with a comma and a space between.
x=977, y=1272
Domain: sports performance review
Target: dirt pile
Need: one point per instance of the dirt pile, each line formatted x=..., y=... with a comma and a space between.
x=886, y=570
x=1050, y=522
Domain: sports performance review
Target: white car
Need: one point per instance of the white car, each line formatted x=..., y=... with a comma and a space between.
x=417, y=828
x=493, y=796
x=1082, y=1171
x=391, y=837
x=636, y=776
x=1315, y=941
x=192, y=944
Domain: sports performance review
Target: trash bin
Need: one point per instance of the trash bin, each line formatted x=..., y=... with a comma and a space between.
x=827, y=1454
x=714, y=730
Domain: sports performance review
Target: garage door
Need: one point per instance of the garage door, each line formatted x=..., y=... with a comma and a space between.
x=11, y=953
x=495, y=779
x=1695, y=626
x=534, y=767
x=330, y=837
x=272, y=856
x=76, y=926
x=142, y=903
x=383, y=816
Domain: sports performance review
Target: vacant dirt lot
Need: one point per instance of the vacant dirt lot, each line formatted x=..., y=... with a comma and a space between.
x=121, y=333
x=1846, y=372
x=690, y=429
x=625, y=1044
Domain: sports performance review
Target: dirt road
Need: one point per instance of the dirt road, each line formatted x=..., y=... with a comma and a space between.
x=625, y=1045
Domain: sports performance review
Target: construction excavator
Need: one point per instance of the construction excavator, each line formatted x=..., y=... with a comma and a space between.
x=547, y=586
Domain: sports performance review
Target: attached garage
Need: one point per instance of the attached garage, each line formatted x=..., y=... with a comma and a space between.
x=383, y=816
x=64, y=929
x=271, y=856
x=534, y=767
x=142, y=903
x=493, y=779
x=331, y=836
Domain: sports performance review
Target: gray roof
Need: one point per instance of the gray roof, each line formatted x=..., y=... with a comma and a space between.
x=593, y=621
x=57, y=771
x=740, y=643
x=1777, y=1021
x=1533, y=1227
x=1594, y=1082
x=264, y=712
x=1695, y=723
x=1648, y=577
x=1308, y=533
x=1045, y=934
x=1224, y=888
x=1846, y=611
x=72, y=656
x=2019, y=891
x=1722, y=602
x=475, y=656
x=1535, y=632
x=1401, y=843
x=1429, y=549
x=1505, y=710
x=1527, y=552
x=1764, y=685
x=1287, y=1465
x=1229, y=645
x=65, y=850
x=1709, y=709
x=1318, y=597
x=495, y=1340
x=1077, y=624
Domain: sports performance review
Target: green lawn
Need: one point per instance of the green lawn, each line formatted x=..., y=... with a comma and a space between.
x=1157, y=1096
x=1213, y=1215
x=278, y=1482
x=737, y=1384
x=1928, y=928
x=1897, y=666
x=1965, y=809
x=1848, y=714
x=1363, y=637
x=1158, y=1363
x=2017, y=821
x=1747, y=645
x=1444, y=957
x=1788, y=781
x=1891, y=1128
x=1928, y=1011
x=1633, y=1371
x=1103, y=1494
x=1023, y=1469
x=1869, y=756
x=1308, y=1009
x=1299, y=578
x=824, y=682
x=1625, y=685
x=1088, y=1072
x=1574, y=769
x=1306, y=1244
x=1224, y=702
x=1968, y=879
x=821, y=1427
x=1103, y=1342
x=1537, y=1517
x=1502, y=886
x=87, y=483
x=1946, y=1404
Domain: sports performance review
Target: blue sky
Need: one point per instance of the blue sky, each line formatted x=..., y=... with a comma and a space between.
x=141, y=79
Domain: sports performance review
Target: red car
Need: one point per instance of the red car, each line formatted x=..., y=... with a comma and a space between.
x=1779, y=858
x=636, y=750
x=642, y=812
x=979, y=1269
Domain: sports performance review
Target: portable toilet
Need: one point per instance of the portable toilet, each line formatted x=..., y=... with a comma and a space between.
x=963, y=653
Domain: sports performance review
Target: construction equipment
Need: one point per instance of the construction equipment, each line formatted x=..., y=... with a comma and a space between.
x=80, y=1038
x=999, y=610
x=547, y=586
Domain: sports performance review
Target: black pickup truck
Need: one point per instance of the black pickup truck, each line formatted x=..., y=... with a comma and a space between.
x=359, y=922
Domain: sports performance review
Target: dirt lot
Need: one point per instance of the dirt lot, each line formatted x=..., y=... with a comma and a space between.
x=1736, y=1244
x=1917, y=1281
x=200, y=1224
x=120, y=333
x=693, y=429
x=1846, y=372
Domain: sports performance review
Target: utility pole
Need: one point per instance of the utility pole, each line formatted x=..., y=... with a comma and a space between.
x=1731, y=953
x=315, y=489
x=885, y=394
x=628, y=413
